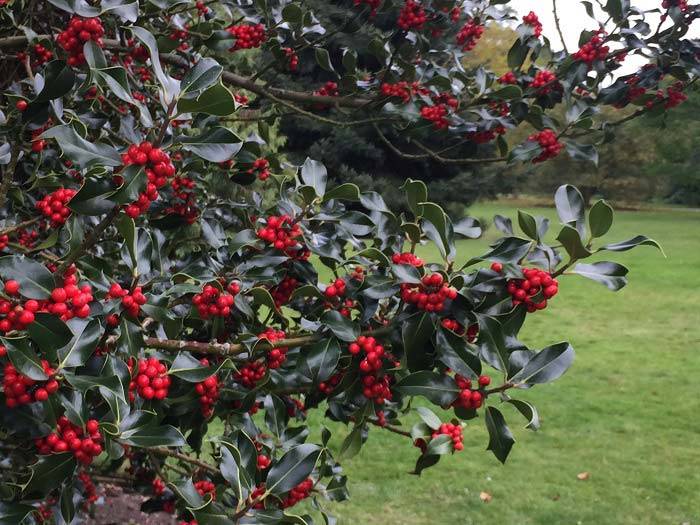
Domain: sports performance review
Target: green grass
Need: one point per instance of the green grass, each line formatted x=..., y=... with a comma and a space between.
x=627, y=412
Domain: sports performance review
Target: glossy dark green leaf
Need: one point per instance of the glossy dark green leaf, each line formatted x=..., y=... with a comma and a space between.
x=623, y=246
x=508, y=250
x=24, y=358
x=416, y=193
x=468, y=227
x=571, y=207
x=609, y=274
x=135, y=181
x=323, y=59
x=292, y=468
x=571, y=240
x=49, y=472
x=315, y=175
x=58, y=81
x=429, y=417
x=170, y=85
x=600, y=218
x=548, y=364
x=491, y=341
x=275, y=414
x=416, y=334
x=230, y=470
x=80, y=151
x=36, y=281
x=49, y=332
x=319, y=361
x=82, y=345
x=188, y=368
x=436, y=216
x=528, y=411
x=346, y=191
x=153, y=436
x=14, y=513
x=217, y=100
x=528, y=224
x=352, y=443
x=93, y=197
x=215, y=145
x=440, y=389
x=202, y=75
x=343, y=328
x=500, y=437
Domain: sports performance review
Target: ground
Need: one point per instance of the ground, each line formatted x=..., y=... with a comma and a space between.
x=624, y=418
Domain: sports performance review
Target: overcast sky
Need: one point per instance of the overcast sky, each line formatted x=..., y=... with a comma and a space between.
x=574, y=19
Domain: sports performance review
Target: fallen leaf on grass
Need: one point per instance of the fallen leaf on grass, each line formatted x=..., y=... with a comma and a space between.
x=583, y=476
x=485, y=497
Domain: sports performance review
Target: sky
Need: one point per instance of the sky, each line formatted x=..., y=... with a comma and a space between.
x=574, y=19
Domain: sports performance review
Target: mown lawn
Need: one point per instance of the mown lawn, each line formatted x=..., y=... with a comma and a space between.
x=628, y=412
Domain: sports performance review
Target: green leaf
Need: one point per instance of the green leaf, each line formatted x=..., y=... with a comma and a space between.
x=82, y=345
x=528, y=411
x=315, y=175
x=492, y=345
x=435, y=215
x=217, y=100
x=292, y=468
x=275, y=414
x=600, y=218
x=49, y=332
x=323, y=59
x=623, y=246
x=215, y=145
x=609, y=274
x=23, y=358
x=570, y=238
x=36, y=281
x=135, y=181
x=230, y=470
x=80, y=151
x=500, y=437
x=110, y=388
x=468, y=227
x=50, y=472
x=571, y=208
x=201, y=76
x=130, y=337
x=93, y=197
x=528, y=224
x=319, y=361
x=352, y=443
x=292, y=13
x=127, y=229
x=153, y=436
x=517, y=54
x=546, y=365
x=585, y=152
x=416, y=333
x=508, y=250
x=188, y=368
x=416, y=192
x=170, y=86
x=440, y=389
x=429, y=417
x=14, y=513
x=58, y=81
x=507, y=93
x=343, y=328
x=347, y=191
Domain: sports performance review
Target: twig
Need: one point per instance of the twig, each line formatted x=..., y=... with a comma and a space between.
x=11, y=229
x=558, y=24
x=162, y=451
x=8, y=174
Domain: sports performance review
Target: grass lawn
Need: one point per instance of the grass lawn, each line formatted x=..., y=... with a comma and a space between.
x=628, y=412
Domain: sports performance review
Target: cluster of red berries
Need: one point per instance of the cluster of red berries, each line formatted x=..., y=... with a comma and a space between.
x=249, y=374
x=329, y=89
x=44, y=511
x=403, y=90
x=335, y=289
x=131, y=301
x=4, y=241
x=181, y=36
x=191, y=522
x=681, y=4
x=436, y=114
x=375, y=386
x=430, y=295
x=183, y=188
x=79, y=31
x=282, y=293
x=531, y=20
x=282, y=233
x=158, y=168
x=151, y=381
x=202, y=9
x=326, y=387
x=469, y=35
x=456, y=327
x=549, y=144
x=27, y=237
x=412, y=16
x=261, y=168
x=41, y=56
x=22, y=390
x=674, y=95
x=85, y=444
x=263, y=462
x=536, y=284
x=407, y=258
x=16, y=316
x=298, y=493
x=205, y=488
x=545, y=82
x=213, y=302
x=593, y=50
x=468, y=398
x=55, y=206
x=208, y=392
x=69, y=300
x=292, y=58
x=278, y=355
x=446, y=429
x=158, y=486
x=248, y=36
x=485, y=135
x=89, y=489
x=508, y=78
